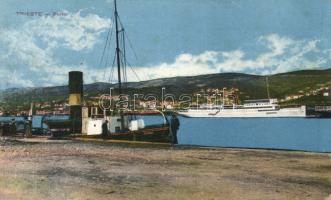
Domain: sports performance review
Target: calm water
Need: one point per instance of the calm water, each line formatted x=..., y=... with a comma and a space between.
x=36, y=120
x=275, y=133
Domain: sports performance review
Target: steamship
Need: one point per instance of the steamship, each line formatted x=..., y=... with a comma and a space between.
x=250, y=109
x=87, y=121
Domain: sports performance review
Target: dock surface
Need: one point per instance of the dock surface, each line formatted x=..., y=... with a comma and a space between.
x=41, y=169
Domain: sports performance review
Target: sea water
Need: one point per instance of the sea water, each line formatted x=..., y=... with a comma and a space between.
x=307, y=134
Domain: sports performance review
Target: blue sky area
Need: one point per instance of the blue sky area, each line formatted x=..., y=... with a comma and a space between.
x=170, y=38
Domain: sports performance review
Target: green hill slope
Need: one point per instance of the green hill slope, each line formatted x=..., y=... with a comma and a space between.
x=250, y=86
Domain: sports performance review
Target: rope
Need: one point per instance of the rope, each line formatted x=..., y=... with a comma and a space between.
x=108, y=42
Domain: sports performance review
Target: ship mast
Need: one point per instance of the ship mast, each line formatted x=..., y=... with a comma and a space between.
x=118, y=63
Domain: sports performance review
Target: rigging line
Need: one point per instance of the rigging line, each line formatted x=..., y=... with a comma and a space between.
x=112, y=70
x=108, y=44
x=108, y=39
x=111, y=74
x=124, y=56
x=133, y=71
x=130, y=43
x=107, y=61
x=107, y=55
x=107, y=64
x=111, y=78
x=131, y=46
x=132, y=68
x=124, y=71
x=103, y=52
x=121, y=59
x=108, y=47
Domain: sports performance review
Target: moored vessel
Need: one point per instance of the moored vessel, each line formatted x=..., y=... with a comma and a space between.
x=250, y=108
x=106, y=123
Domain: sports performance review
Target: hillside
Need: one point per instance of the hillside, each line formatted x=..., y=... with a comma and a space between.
x=250, y=86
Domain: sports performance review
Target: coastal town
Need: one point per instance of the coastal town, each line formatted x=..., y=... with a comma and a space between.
x=214, y=96
x=165, y=100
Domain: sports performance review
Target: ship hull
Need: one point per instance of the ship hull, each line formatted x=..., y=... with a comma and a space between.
x=319, y=111
x=148, y=134
x=245, y=113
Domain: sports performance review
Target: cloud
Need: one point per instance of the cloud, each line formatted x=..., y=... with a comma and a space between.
x=282, y=54
x=27, y=54
x=72, y=31
x=59, y=75
x=29, y=49
x=184, y=65
x=22, y=47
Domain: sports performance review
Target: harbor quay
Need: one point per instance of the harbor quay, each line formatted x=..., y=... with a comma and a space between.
x=38, y=168
x=165, y=100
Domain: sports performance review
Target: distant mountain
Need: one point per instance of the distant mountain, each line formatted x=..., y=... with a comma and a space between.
x=250, y=86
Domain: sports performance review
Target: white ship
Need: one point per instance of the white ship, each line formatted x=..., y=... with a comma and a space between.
x=250, y=108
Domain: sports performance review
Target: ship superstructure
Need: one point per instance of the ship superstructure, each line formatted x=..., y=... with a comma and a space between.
x=250, y=108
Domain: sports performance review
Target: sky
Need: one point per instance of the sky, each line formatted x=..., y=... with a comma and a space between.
x=168, y=38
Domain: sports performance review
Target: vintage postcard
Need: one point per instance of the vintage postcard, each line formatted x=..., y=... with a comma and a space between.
x=165, y=99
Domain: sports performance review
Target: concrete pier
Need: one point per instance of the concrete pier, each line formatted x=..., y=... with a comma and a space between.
x=48, y=169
